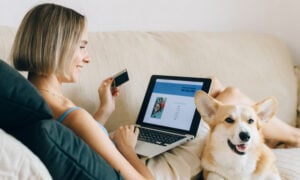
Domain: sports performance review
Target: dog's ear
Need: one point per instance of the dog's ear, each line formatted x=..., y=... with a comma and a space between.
x=206, y=105
x=266, y=109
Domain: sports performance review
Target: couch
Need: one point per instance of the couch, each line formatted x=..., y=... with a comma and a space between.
x=258, y=64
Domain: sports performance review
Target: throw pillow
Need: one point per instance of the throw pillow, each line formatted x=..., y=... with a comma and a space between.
x=18, y=162
x=20, y=103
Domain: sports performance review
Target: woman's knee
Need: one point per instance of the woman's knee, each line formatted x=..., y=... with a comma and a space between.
x=233, y=95
x=216, y=86
x=231, y=91
x=230, y=95
x=214, y=80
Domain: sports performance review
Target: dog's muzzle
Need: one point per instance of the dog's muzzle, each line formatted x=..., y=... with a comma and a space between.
x=240, y=149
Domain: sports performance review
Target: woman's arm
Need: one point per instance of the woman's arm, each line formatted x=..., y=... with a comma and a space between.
x=83, y=124
x=125, y=138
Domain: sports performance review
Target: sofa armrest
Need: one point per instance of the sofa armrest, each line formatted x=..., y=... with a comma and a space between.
x=297, y=72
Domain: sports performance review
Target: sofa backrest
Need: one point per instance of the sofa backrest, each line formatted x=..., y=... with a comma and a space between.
x=258, y=64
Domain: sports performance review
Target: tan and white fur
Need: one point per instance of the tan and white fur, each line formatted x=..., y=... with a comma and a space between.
x=235, y=146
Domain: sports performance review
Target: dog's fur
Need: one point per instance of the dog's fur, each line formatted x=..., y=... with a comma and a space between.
x=235, y=147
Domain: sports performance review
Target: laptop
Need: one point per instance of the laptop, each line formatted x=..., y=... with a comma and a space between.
x=168, y=115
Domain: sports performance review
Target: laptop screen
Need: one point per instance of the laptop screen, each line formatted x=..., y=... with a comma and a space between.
x=172, y=103
x=169, y=102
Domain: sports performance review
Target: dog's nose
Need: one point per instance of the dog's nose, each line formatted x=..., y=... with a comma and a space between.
x=244, y=136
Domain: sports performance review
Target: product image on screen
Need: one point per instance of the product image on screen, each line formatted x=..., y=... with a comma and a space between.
x=158, y=107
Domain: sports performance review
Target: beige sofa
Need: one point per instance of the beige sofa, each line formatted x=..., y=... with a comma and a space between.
x=258, y=64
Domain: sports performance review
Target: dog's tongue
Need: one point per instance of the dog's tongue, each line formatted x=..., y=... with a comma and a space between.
x=241, y=147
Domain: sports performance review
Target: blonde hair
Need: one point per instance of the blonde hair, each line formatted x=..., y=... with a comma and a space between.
x=47, y=39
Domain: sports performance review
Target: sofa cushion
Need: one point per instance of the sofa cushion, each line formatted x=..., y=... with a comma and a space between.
x=20, y=104
x=65, y=155
x=288, y=163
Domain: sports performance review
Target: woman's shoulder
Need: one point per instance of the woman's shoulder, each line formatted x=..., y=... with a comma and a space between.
x=59, y=105
x=71, y=114
x=67, y=112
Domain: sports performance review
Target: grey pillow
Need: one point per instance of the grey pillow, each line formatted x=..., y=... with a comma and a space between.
x=20, y=103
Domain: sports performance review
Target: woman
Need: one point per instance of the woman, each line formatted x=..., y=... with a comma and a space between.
x=51, y=44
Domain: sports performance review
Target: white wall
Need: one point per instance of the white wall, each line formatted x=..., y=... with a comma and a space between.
x=278, y=17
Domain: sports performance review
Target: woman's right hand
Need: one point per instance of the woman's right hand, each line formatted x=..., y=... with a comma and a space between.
x=107, y=100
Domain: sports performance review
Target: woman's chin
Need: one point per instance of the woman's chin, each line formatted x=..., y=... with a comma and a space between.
x=72, y=79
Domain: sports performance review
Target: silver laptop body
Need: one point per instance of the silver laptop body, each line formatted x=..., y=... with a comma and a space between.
x=168, y=115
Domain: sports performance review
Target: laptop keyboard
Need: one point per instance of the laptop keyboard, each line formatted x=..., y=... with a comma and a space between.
x=158, y=137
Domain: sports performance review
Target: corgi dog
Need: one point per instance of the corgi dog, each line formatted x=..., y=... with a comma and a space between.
x=235, y=148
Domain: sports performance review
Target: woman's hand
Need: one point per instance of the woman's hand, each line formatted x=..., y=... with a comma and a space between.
x=125, y=137
x=107, y=94
x=107, y=97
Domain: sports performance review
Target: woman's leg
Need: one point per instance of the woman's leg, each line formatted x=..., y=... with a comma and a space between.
x=275, y=131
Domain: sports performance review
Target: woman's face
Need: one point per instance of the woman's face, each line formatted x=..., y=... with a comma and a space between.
x=81, y=58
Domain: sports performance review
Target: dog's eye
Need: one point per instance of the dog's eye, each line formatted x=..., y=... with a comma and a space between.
x=250, y=121
x=229, y=120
